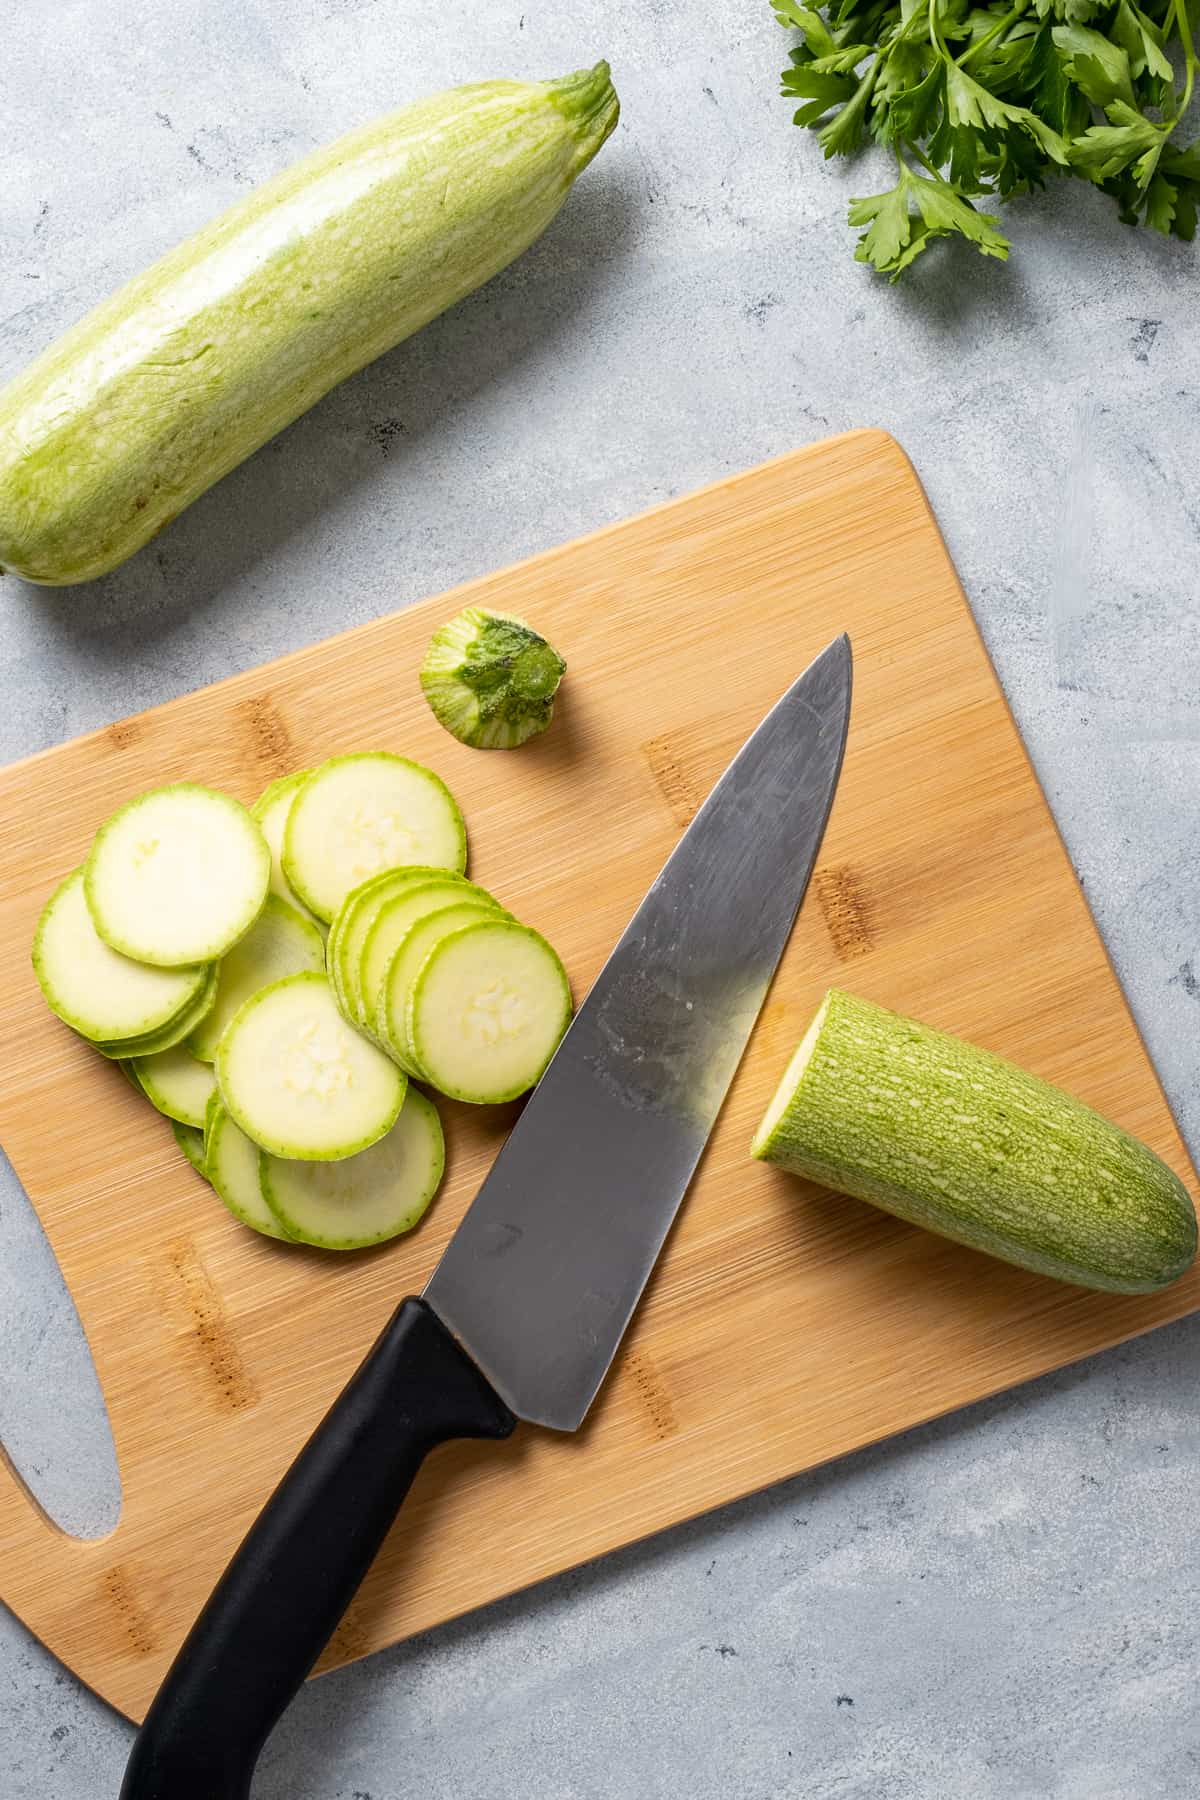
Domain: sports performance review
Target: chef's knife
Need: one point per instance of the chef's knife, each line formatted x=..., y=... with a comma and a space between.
x=523, y=1315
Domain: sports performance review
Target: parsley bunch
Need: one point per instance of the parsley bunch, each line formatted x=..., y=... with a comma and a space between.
x=989, y=100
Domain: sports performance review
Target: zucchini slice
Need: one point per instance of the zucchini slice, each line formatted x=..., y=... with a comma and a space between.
x=392, y=1006
x=392, y=922
x=180, y=1028
x=191, y=1142
x=99, y=993
x=487, y=1011
x=367, y=1198
x=177, y=1084
x=280, y=942
x=357, y=914
x=300, y=1081
x=270, y=813
x=231, y=1164
x=963, y=1143
x=358, y=815
x=177, y=875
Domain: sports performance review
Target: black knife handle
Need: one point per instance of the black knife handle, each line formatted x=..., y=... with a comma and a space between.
x=296, y=1571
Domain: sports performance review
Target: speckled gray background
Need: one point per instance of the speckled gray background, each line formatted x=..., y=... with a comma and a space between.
x=999, y=1607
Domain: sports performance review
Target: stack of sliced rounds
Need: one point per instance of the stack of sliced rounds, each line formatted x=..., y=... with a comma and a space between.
x=190, y=950
x=459, y=994
x=356, y=816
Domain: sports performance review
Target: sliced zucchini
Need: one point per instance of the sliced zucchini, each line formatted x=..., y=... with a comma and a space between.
x=391, y=925
x=398, y=982
x=487, y=1011
x=490, y=679
x=270, y=813
x=177, y=875
x=180, y=1028
x=299, y=1080
x=191, y=1142
x=177, y=1084
x=357, y=914
x=356, y=816
x=367, y=1198
x=99, y=993
x=231, y=1164
x=280, y=942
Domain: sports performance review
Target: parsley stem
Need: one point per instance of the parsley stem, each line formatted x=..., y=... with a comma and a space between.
x=1189, y=52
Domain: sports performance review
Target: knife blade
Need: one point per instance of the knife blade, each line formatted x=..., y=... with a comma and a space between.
x=526, y=1309
x=540, y=1280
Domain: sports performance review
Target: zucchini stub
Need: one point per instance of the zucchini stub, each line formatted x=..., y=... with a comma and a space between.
x=966, y=1144
x=490, y=679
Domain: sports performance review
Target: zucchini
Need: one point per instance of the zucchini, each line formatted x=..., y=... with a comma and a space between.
x=353, y=921
x=177, y=1084
x=367, y=1198
x=358, y=816
x=174, y=380
x=231, y=1164
x=180, y=1028
x=406, y=964
x=490, y=679
x=299, y=1081
x=177, y=875
x=191, y=1142
x=391, y=926
x=98, y=992
x=487, y=1011
x=965, y=1144
x=270, y=813
x=280, y=942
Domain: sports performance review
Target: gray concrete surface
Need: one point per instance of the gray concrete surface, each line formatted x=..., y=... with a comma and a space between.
x=999, y=1607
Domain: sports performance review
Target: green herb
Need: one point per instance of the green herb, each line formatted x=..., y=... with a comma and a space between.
x=981, y=102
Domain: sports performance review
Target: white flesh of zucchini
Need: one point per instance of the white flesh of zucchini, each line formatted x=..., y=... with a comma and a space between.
x=299, y=1080
x=487, y=1011
x=177, y=875
x=180, y=1027
x=364, y=983
x=280, y=942
x=270, y=813
x=366, y=1198
x=94, y=989
x=177, y=1084
x=358, y=815
x=400, y=978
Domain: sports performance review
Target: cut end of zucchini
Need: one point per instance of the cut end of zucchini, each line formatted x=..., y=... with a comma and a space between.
x=299, y=1080
x=177, y=876
x=490, y=679
x=359, y=816
x=955, y=1139
x=368, y=1198
x=487, y=1012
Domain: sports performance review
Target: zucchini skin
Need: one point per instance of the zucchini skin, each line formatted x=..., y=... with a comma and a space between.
x=176, y=378
x=957, y=1140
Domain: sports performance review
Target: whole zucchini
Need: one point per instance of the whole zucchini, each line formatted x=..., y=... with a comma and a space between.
x=176, y=378
x=957, y=1140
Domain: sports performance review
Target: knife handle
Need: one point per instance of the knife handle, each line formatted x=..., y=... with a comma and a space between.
x=295, y=1573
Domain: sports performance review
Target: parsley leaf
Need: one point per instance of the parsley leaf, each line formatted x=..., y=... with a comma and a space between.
x=981, y=99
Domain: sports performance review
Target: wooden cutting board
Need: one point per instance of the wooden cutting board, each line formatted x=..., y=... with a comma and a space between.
x=784, y=1325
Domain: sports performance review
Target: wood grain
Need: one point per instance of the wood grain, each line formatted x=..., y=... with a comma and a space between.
x=784, y=1325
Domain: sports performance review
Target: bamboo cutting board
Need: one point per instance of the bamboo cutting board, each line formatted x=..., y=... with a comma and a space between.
x=784, y=1326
